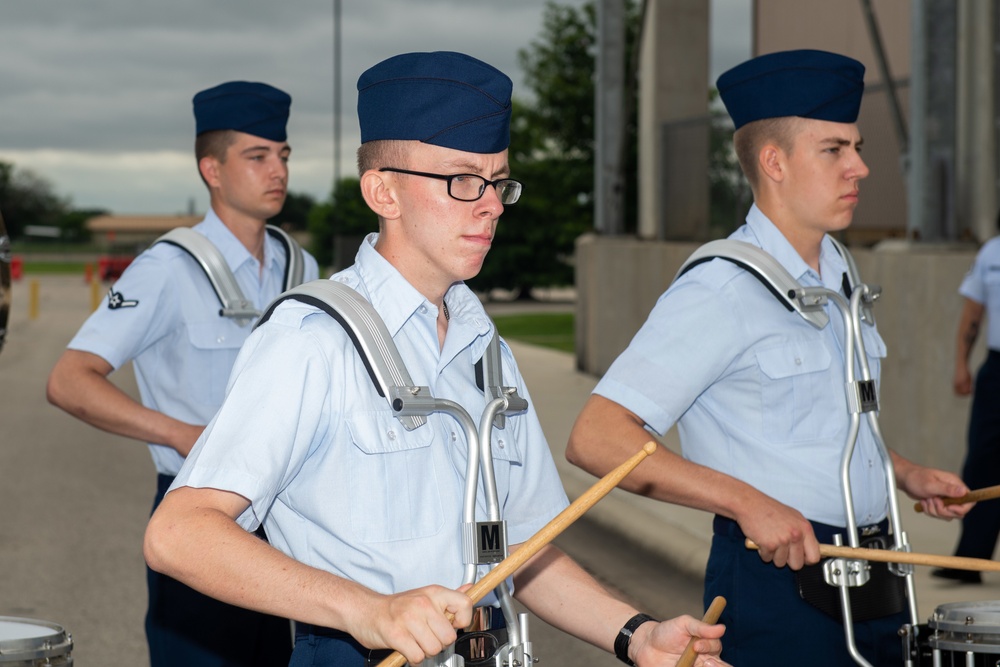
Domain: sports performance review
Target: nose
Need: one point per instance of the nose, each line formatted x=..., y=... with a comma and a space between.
x=861, y=169
x=279, y=169
x=489, y=204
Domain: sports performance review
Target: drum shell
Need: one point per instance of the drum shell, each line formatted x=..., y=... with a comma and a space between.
x=960, y=634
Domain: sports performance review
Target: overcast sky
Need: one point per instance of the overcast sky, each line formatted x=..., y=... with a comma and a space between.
x=95, y=95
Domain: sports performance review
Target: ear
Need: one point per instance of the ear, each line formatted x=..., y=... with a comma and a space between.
x=771, y=161
x=380, y=194
x=209, y=168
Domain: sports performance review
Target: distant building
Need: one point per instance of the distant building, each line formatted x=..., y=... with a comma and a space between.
x=133, y=233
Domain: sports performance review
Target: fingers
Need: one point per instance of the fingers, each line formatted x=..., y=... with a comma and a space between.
x=423, y=622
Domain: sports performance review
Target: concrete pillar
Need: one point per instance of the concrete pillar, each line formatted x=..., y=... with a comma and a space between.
x=673, y=137
x=976, y=204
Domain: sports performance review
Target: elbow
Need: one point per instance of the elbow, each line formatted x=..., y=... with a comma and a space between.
x=53, y=390
x=579, y=449
x=155, y=546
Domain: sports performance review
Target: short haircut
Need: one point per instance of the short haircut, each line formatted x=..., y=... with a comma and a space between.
x=213, y=143
x=749, y=139
x=381, y=153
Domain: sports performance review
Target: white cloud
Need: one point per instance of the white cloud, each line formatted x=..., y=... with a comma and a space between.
x=96, y=95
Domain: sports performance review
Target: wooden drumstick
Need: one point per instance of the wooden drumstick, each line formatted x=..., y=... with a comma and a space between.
x=711, y=616
x=987, y=493
x=548, y=532
x=908, y=557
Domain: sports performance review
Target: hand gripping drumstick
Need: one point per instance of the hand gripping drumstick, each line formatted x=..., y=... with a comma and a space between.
x=987, y=493
x=912, y=558
x=548, y=532
x=711, y=616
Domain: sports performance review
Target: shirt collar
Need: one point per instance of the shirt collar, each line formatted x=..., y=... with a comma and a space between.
x=396, y=300
x=233, y=251
x=770, y=238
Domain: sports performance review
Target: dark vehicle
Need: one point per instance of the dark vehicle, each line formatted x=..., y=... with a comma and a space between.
x=5, y=259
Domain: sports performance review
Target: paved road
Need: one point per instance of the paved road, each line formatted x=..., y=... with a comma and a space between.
x=75, y=502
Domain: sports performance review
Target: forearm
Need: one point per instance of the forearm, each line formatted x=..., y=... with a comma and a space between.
x=606, y=434
x=557, y=590
x=204, y=548
x=968, y=332
x=79, y=385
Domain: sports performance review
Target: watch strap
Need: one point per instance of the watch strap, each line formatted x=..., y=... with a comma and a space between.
x=624, y=638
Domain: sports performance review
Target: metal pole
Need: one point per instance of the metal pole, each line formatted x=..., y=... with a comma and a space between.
x=336, y=92
x=609, y=96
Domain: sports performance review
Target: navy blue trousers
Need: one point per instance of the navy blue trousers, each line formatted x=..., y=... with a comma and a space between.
x=981, y=526
x=769, y=624
x=184, y=627
x=326, y=648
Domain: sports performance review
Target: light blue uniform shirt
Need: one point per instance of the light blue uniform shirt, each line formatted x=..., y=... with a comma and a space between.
x=982, y=285
x=337, y=481
x=757, y=392
x=163, y=315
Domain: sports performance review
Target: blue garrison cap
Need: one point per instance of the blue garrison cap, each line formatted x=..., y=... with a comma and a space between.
x=254, y=108
x=442, y=98
x=805, y=83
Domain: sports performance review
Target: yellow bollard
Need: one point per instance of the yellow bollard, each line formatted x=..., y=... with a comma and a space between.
x=33, y=300
x=95, y=294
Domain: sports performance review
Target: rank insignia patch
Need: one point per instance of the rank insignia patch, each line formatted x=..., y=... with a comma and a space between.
x=116, y=301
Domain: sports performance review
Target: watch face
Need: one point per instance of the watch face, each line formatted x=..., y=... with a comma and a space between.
x=5, y=258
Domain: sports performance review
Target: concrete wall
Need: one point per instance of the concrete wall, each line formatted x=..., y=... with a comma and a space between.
x=619, y=279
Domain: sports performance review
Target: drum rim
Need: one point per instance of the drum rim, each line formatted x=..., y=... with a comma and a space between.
x=59, y=643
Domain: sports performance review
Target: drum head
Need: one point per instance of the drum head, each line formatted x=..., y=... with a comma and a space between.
x=967, y=626
x=23, y=640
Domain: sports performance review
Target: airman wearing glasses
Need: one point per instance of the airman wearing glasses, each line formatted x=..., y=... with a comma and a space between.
x=364, y=516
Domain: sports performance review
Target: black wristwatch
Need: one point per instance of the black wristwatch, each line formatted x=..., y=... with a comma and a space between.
x=624, y=638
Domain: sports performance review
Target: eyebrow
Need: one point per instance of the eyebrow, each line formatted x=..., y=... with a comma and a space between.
x=842, y=142
x=472, y=168
x=261, y=147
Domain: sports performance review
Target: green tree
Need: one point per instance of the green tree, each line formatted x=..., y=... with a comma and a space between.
x=73, y=224
x=294, y=214
x=552, y=153
x=336, y=227
x=729, y=192
x=27, y=199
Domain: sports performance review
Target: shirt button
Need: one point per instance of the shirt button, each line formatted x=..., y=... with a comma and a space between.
x=392, y=435
x=423, y=310
x=500, y=443
x=454, y=436
x=798, y=361
x=220, y=339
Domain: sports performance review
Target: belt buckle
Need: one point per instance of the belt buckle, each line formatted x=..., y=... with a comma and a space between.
x=868, y=531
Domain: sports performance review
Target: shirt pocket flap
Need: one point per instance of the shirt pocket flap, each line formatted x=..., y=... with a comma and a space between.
x=381, y=433
x=793, y=359
x=214, y=336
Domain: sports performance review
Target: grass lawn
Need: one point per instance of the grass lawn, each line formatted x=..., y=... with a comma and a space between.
x=553, y=330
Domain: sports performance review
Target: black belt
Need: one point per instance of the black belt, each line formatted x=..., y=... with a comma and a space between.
x=372, y=656
x=883, y=595
x=475, y=647
x=824, y=533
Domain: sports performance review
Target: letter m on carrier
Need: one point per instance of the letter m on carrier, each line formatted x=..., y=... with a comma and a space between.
x=491, y=541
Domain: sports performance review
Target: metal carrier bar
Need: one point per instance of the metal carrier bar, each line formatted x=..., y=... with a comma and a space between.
x=227, y=290
x=411, y=405
x=809, y=303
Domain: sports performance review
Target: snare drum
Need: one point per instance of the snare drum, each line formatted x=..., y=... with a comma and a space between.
x=25, y=642
x=964, y=634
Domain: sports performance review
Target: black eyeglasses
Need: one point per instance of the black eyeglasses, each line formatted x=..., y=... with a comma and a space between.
x=470, y=187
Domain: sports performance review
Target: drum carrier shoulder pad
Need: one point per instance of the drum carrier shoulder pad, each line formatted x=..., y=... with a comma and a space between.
x=385, y=366
x=786, y=289
x=233, y=303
